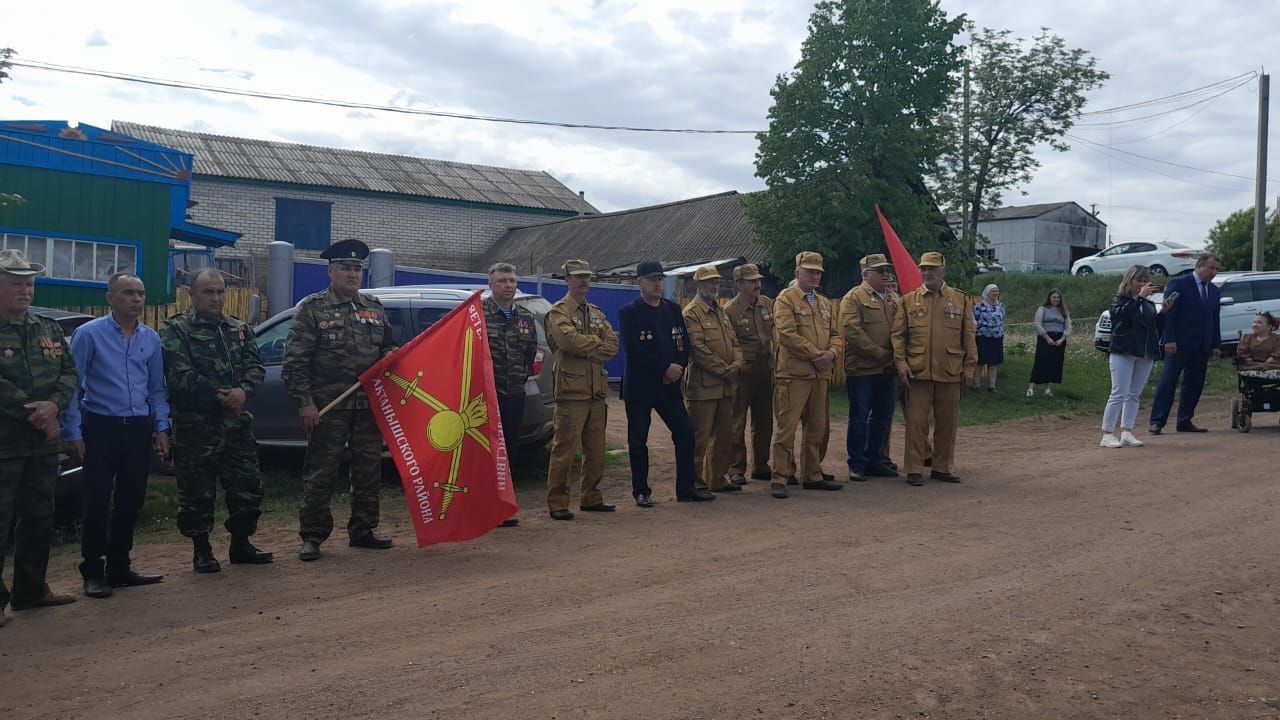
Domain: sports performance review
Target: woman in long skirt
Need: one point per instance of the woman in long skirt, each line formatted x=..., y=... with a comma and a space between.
x=1053, y=327
x=988, y=326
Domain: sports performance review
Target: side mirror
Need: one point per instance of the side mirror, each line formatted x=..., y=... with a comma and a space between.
x=1227, y=301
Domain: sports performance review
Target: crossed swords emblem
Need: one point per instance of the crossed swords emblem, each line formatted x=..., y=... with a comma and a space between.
x=449, y=428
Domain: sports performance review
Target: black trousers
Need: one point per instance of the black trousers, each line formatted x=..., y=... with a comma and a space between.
x=670, y=406
x=117, y=459
x=511, y=408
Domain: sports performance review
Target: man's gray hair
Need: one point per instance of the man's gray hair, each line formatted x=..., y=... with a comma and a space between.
x=501, y=267
x=1205, y=257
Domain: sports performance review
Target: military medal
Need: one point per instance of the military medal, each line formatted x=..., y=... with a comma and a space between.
x=8, y=353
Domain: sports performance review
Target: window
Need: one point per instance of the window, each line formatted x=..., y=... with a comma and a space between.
x=305, y=223
x=1241, y=292
x=65, y=259
x=1114, y=250
x=1266, y=289
x=395, y=316
x=428, y=317
x=1140, y=248
x=271, y=342
x=986, y=253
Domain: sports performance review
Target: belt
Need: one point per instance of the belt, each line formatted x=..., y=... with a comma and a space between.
x=117, y=420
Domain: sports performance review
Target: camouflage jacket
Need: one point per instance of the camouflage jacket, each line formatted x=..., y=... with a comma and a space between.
x=202, y=357
x=35, y=364
x=331, y=342
x=513, y=343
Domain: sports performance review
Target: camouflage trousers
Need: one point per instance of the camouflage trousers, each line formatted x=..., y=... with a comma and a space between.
x=338, y=430
x=26, y=498
x=205, y=453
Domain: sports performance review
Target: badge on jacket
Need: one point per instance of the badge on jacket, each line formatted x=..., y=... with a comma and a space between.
x=52, y=348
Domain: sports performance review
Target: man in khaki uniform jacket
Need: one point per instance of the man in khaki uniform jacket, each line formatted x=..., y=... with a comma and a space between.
x=935, y=350
x=866, y=320
x=714, y=364
x=807, y=336
x=583, y=341
x=751, y=316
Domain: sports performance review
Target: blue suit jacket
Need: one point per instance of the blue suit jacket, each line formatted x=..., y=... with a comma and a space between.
x=1193, y=323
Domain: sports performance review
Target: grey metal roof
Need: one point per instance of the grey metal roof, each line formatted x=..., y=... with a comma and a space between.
x=1019, y=212
x=694, y=230
x=280, y=162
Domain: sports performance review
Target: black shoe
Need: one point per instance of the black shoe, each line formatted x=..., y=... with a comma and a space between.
x=915, y=479
x=310, y=551
x=205, y=562
x=928, y=462
x=1155, y=429
x=778, y=490
x=244, y=553
x=738, y=480
x=791, y=480
x=510, y=522
x=370, y=541
x=1191, y=427
x=828, y=477
x=698, y=496
x=762, y=476
x=643, y=500
x=598, y=507
x=881, y=471
x=561, y=515
x=729, y=488
x=943, y=477
x=823, y=484
x=96, y=587
x=130, y=578
x=857, y=475
x=48, y=599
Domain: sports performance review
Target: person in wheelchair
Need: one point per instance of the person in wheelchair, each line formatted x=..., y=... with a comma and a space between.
x=1260, y=349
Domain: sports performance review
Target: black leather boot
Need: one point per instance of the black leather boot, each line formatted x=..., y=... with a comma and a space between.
x=243, y=552
x=204, y=561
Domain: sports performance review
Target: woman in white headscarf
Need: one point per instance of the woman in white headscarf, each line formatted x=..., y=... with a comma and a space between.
x=988, y=326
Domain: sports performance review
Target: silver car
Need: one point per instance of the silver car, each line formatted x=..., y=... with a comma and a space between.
x=410, y=309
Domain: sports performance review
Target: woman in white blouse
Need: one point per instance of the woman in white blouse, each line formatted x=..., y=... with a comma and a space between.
x=1053, y=327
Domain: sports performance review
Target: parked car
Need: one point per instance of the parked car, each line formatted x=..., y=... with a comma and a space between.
x=989, y=266
x=1163, y=258
x=1244, y=294
x=410, y=309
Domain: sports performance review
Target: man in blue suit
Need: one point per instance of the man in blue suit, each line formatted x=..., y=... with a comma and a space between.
x=1192, y=335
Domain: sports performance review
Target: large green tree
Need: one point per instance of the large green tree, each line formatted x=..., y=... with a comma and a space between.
x=1020, y=93
x=7, y=199
x=855, y=124
x=1232, y=240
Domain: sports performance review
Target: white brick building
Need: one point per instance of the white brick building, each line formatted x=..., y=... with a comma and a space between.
x=430, y=212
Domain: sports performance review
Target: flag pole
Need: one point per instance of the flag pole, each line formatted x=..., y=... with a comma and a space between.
x=336, y=401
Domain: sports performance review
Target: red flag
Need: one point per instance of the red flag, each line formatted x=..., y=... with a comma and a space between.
x=435, y=402
x=904, y=266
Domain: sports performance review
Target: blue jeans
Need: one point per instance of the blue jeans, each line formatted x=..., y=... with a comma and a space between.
x=1191, y=365
x=871, y=403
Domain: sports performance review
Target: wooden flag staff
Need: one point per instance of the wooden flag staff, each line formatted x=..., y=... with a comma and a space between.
x=338, y=400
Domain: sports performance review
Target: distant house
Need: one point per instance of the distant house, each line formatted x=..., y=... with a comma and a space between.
x=710, y=229
x=430, y=212
x=1047, y=237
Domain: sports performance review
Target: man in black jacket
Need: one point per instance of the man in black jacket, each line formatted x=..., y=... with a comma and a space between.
x=657, y=346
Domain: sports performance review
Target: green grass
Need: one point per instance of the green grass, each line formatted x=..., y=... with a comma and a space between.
x=1022, y=293
x=1084, y=390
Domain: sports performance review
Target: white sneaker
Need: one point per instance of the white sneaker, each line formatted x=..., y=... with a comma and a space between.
x=1110, y=440
x=1031, y=392
x=1127, y=439
x=1048, y=392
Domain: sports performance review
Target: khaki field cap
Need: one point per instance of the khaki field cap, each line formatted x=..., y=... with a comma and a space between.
x=932, y=259
x=14, y=262
x=809, y=261
x=576, y=267
x=747, y=272
x=706, y=272
x=876, y=262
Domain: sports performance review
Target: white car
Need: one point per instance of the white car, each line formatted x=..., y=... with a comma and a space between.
x=1163, y=259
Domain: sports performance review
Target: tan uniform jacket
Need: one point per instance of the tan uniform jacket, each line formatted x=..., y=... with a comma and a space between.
x=583, y=342
x=867, y=324
x=801, y=332
x=933, y=335
x=753, y=326
x=713, y=351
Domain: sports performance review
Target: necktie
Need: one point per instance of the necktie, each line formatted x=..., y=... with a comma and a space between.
x=1204, y=292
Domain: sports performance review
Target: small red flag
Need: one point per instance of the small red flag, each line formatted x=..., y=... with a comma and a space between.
x=436, y=404
x=904, y=266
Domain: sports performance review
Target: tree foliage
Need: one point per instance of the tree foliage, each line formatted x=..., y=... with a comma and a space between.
x=1232, y=240
x=5, y=55
x=855, y=124
x=1021, y=93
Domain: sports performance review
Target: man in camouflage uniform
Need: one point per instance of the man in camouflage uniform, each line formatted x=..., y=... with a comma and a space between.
x=513, y=345
x=337, y=334
x=751, y=315
x=715, y=362
x=212, y=367
x=37, y=381
x=583, y=342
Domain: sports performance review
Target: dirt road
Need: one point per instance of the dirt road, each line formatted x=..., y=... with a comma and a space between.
x=1059, y=581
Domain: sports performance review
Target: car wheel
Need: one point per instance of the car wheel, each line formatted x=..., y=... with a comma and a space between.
x=1086, y=270
x=1158, y=271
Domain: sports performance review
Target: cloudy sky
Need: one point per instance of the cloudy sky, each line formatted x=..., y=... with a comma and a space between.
x=664, y=63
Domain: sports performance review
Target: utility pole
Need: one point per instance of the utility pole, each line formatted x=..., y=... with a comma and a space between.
x=1260, y=187
x=967, y=230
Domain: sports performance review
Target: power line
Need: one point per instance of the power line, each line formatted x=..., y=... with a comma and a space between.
x=353, y=105
x=1173, y=97
x=1164, y=162
x=1104, y=151
x=1170, y=111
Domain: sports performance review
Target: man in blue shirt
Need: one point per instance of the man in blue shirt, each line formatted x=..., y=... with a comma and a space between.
x=119, y=415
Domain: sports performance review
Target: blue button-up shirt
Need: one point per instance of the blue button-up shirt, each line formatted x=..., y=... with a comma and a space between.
x=119, y=377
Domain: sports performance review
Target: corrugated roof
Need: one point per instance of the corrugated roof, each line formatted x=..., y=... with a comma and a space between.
x=269, y=161
x=694, y=230
x=1018, y=212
